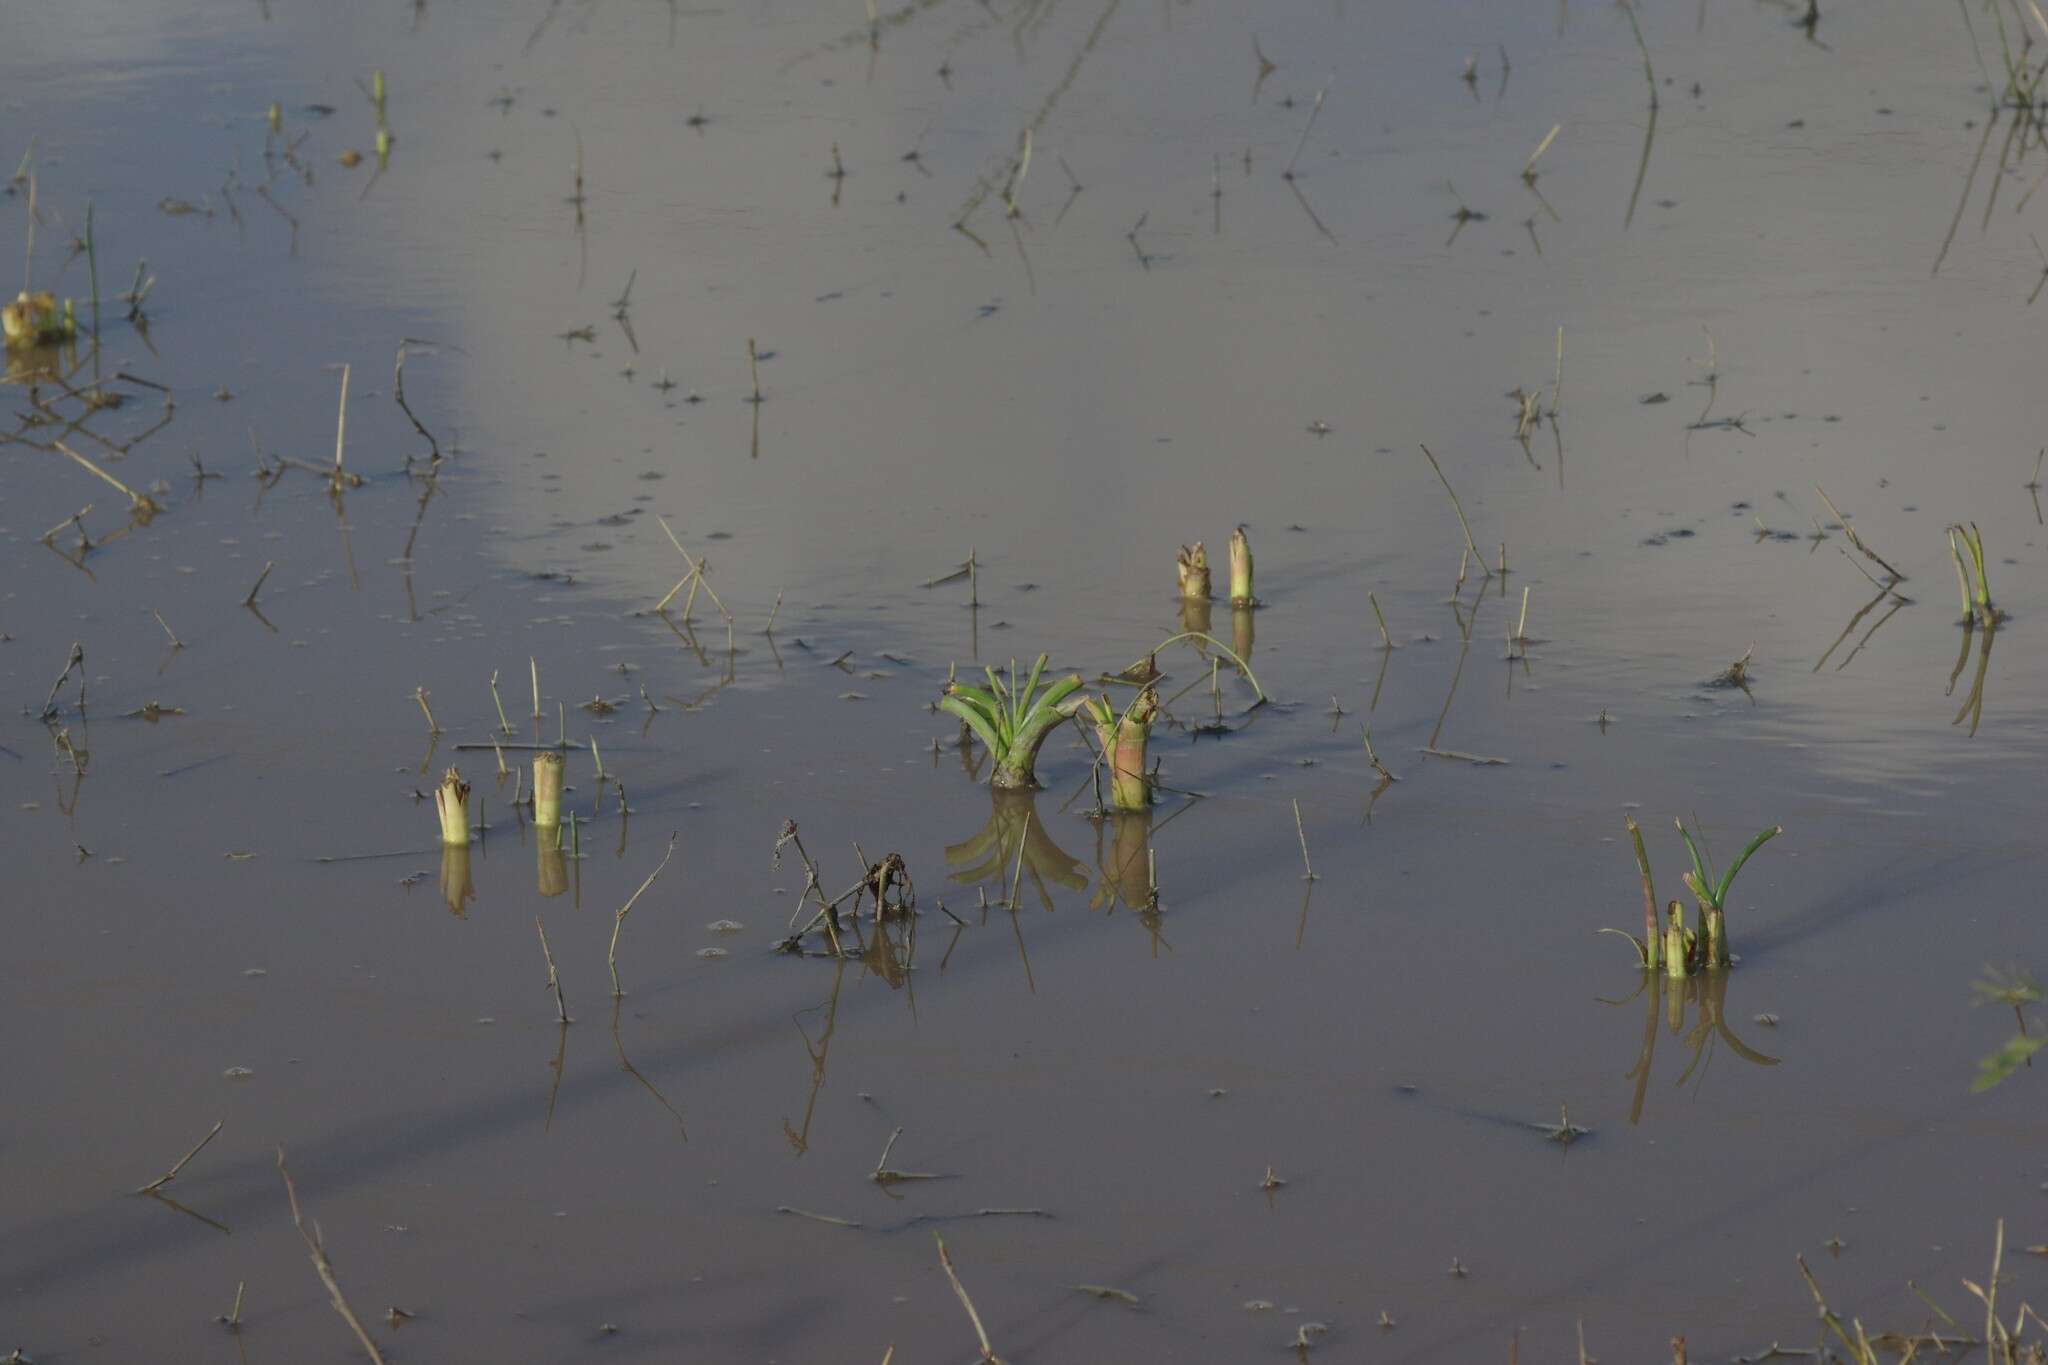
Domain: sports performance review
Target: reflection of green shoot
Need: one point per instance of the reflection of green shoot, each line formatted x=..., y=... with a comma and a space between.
x=1012, y=724
x=2016, y=989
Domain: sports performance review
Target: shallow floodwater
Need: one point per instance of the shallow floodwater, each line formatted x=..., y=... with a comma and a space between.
x=232, y=909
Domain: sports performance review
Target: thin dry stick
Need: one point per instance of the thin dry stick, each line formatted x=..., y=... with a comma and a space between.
x=619, y=920
x=172, y=1174
x=1856, y=540
x=419, y=694
x=1522, y=625
x=988, y=1352
x=176, y=643
x=340, y=433
x=554, y=977
x=398, y=387
x=323, y=1267
x=754, y=368
x=134, y=498
x=76, y=659
x=1017, y=877
x=696, y=569
x=499, y=702
x=1471, y=547
x=1529, y=167
x=1314, y=110
x=250, y=600
x=1386, y=640
x=1649, y=75
x=1372, y=757
x=234, y=1320
x=534, y=665
x=1308, y=872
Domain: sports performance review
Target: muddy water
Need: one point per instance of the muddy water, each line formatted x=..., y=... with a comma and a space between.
x=1071, y=397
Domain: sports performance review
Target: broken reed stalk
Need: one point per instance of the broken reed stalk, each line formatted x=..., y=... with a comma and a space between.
x=547, y=790
x=1856, y=540
x=754, y=368
x=1522, y=625
x=1191, y=566
x=534, y=665
x=172, y=1174
x=619, y=920
x=1652, y=944
x=323, y=1267
x=1386, y=639
x=451, y=803
x=250, y=600
x=1471, y=547
x=1308, y=871
x=554, y=977
x=988, y=1352
x=176, y=643
x=1241, y=570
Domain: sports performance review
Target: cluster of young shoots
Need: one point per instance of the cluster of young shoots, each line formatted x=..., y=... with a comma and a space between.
x=1667, y=943
x=1977, y=608
x=1013, y=724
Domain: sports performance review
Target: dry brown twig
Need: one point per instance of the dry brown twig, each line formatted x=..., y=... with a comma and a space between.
x=172, y=1174
x=988, y=1352
x=619, y=920
x=323, y=1267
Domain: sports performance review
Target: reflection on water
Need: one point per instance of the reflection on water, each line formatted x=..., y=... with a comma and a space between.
x=1121, y=360
x=990, y=855
x=457, y=887
x=1668, y=1001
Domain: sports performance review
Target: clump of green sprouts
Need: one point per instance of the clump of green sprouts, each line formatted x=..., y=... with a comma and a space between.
x=1013, y=724
x=1123, y=737
x=1667, y=944
x=1977, y=608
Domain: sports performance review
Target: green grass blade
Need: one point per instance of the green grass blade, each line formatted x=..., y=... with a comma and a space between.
x=1728, y=878
x=1642, y=957
x=1031, y=685
x=1055, y=693
x=1699, y=867
x=977, y=723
